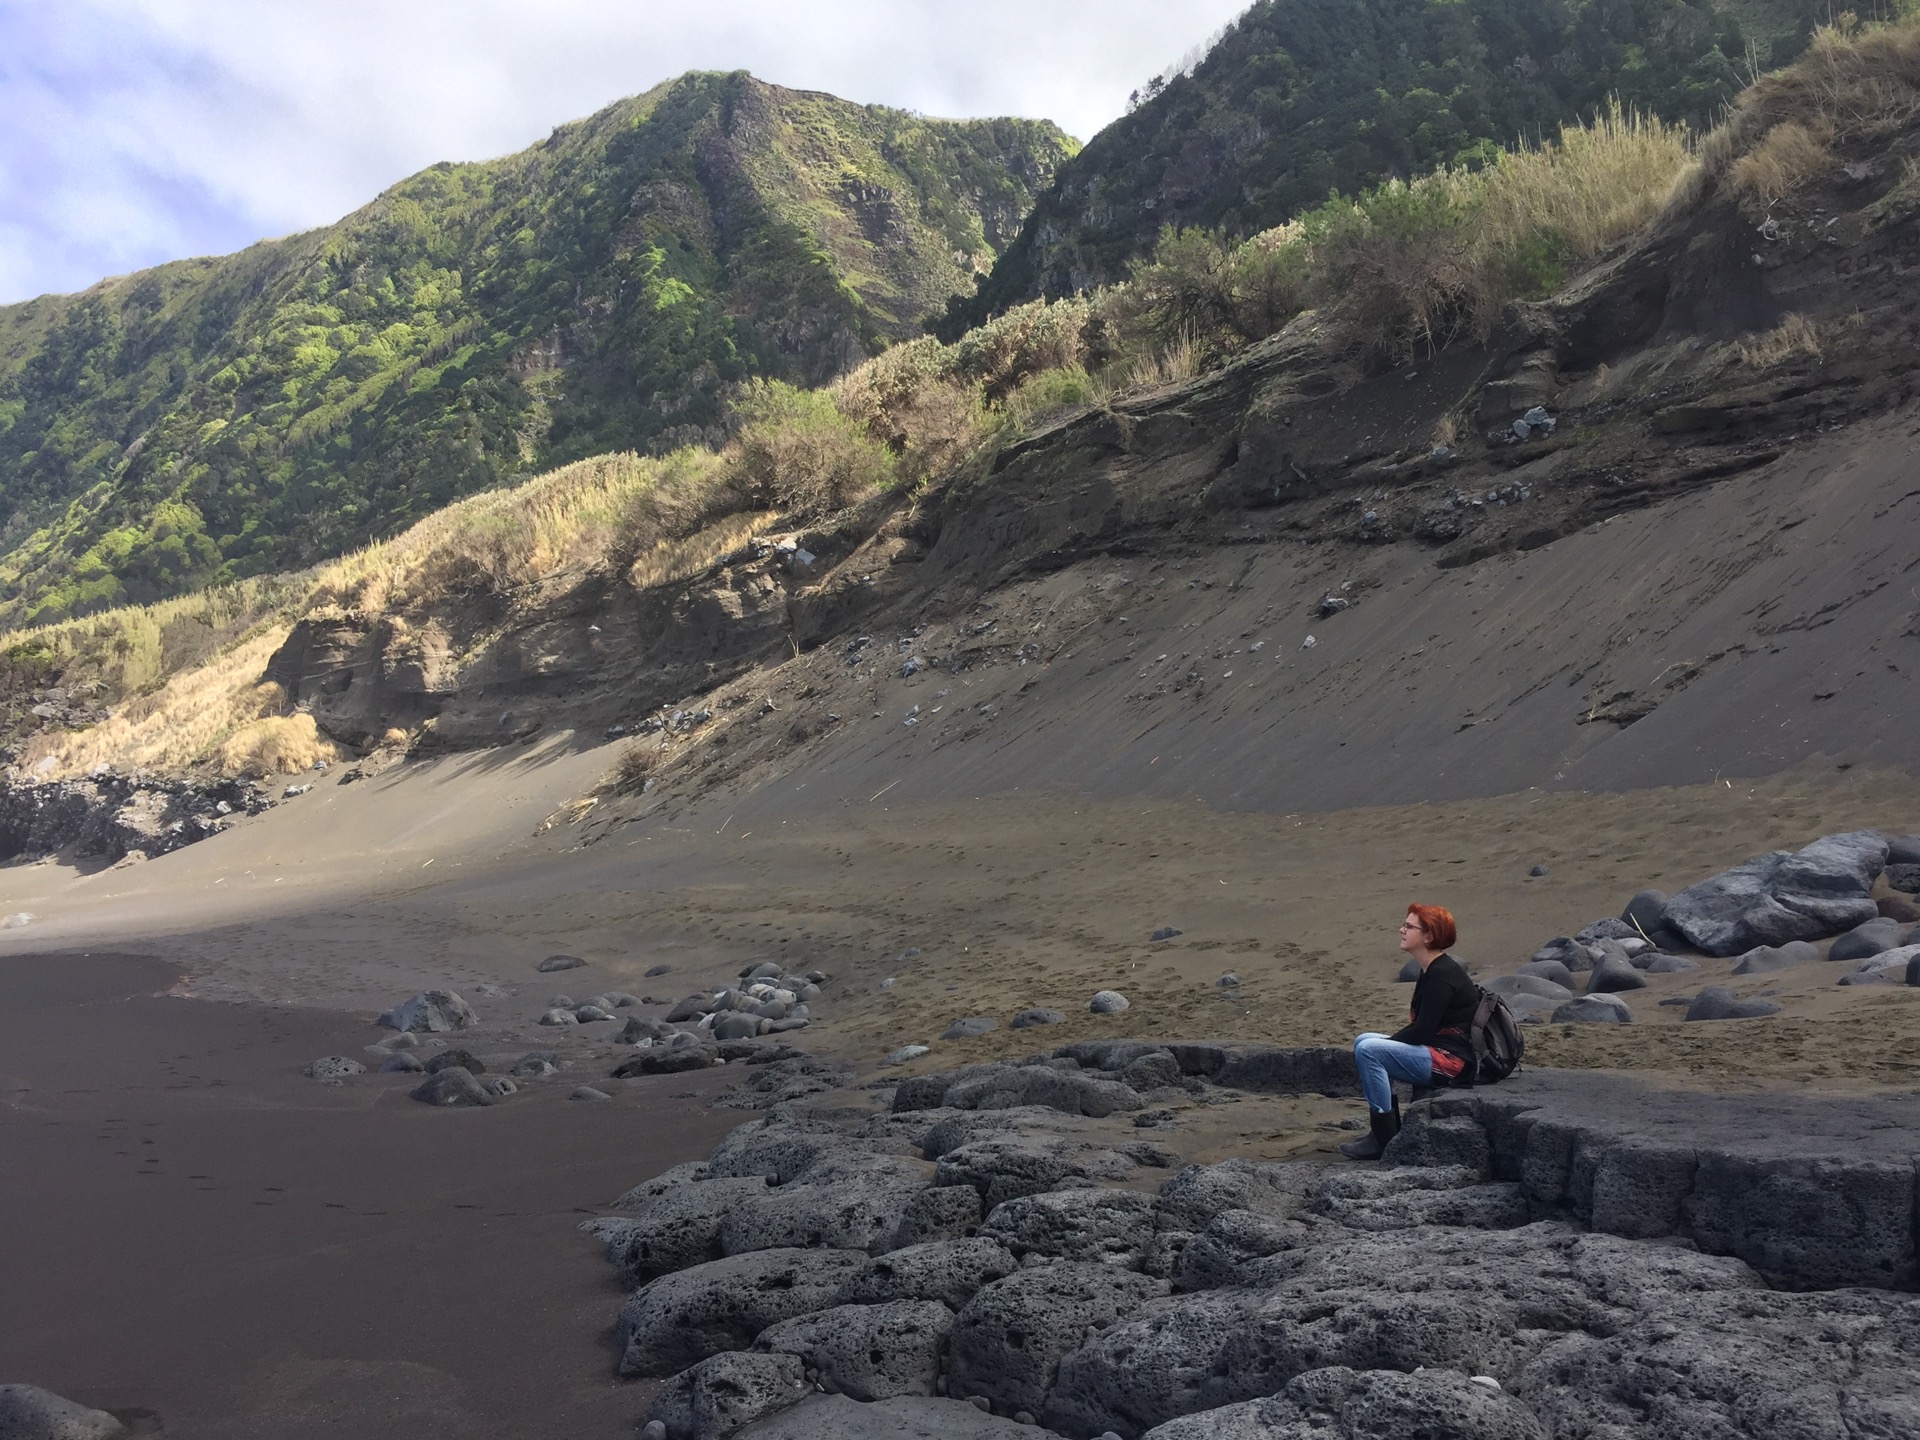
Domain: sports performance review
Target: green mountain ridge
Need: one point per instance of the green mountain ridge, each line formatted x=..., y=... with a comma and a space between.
x=476, y=323
x=1301, y=98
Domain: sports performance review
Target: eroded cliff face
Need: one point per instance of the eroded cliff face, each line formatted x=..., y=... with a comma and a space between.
x=1623, y=394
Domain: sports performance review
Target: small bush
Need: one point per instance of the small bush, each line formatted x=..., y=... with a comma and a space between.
x=277, y=745
x=1041, y=335
x=796, y=452
x=632, y=770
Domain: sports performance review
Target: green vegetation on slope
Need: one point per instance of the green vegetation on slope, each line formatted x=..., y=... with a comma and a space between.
x=1303, y=98
x=604, y=290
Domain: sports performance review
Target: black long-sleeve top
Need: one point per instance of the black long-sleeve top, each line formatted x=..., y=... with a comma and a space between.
x=1444, y=1001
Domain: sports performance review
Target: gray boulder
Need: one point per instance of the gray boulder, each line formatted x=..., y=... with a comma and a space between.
x=1551, y=970
x=405, y=1062
x=1003, y=1167
x=499, y=1086
x=589, y=1095
x=591, y=1014
x=535, y=1066
x=1809, y=894
x=737, y=1026
x=436, y=1012
x=1886, y=969
x=1409, y=973
x=1008, y=1087
x=1646, y=912
x=1343, y=1404
x=1660, y=963
x=1863, y=942
x=679, y=1320
x=29, y=1413
x=693, y=1007
x=1607, y=929
x=1564, y=950
x=1903, y=850
x=1109, y=1002
x=1274, y=1188
x=967, y=1029
x=1232, y=1240
x=906, y=1054
x=555, y=963
x=1904, y=878
x=1011, y=1336
x=1094, y=1225
x=870, y=1352
x=1509, y=986
x=851, y=1213
x=676, y=1230
x=1039, y=1015
x=835, y=1417
x=1472, y=1301
x=945, y=1212
x=949, y=1271
x=448, y=1059
x=640, y=1027
x=1152, y=1072
x=713, y=1399
x=1594, y=1010
x=1716, y=1002
x=1765, y=959
x=1614, y=974
x=557, y=1016
x=1401, y=1199
x=453, y=1087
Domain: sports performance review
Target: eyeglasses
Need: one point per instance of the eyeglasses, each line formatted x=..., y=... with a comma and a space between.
x=1409, y=925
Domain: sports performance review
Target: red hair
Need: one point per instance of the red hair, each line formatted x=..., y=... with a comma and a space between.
x=1442, y=933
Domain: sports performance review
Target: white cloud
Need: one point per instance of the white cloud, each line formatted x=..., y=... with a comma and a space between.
x=133, y=131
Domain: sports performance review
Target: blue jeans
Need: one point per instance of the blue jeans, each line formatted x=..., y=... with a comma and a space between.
x=1382, y=1062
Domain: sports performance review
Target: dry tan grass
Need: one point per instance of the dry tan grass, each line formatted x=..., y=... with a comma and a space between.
x=275, y=745
x=182, y=724
x=1855, y=82
x=1795, y=335
x=1787, y=157
x=671, y=561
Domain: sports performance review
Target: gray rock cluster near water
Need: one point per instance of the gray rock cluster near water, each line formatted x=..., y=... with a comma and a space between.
x=1764, y=915
x=1561, y=1255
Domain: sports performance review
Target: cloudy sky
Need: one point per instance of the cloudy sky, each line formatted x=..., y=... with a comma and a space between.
x=135, y=131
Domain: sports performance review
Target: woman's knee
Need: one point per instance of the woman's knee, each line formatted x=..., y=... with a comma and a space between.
x=1366, y=1042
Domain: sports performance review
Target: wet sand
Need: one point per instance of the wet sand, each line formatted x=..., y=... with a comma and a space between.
x=193, y=1231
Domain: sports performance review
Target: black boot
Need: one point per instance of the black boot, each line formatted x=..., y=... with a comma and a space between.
x=1383, y=1126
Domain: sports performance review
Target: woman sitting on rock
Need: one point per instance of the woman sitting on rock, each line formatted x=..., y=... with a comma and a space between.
x=1433, y=1044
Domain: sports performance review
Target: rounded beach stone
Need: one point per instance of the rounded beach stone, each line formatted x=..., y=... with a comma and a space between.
x=967, y=1029
x=1614, y=974
x=402, y=1063
x=431, y=1012
x=447, y=1059
x=906, y=1053
x=454, y=1086
x=1876, y=937
x=29, y=1413
x=588, y=1093
x=1716, y=1002
x=1027, y=1019
x=1552, y=970
x=1109, y=1002
x=555, y=963
x=1594, y=1010
x=1764, y=959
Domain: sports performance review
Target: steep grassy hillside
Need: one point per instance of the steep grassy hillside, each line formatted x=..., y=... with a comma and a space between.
x=603, y=290
x=1305, y=97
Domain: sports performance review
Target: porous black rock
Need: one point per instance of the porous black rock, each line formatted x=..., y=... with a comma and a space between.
x=949, y=1271
x=1344, y=1404
x=1094, y=1225
x=1011, y=1335
x=1810, y=894
x=681, y=1319
x=836, y=1417
x=1904, y=877
x=675, y=1230
x=870, y=1352
x=465, y=1059
x=718, y=1396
